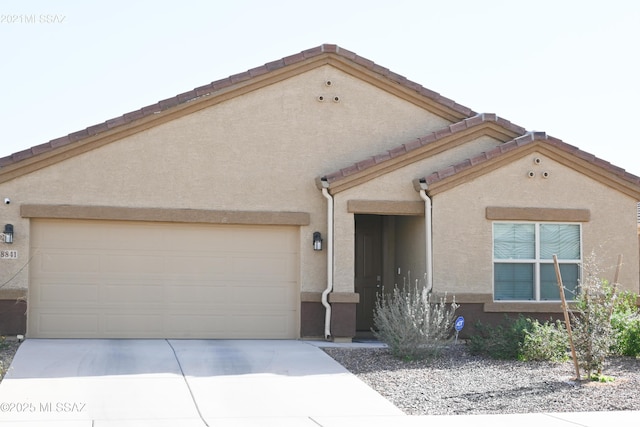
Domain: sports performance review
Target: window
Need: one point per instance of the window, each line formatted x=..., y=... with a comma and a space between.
x=523, y=267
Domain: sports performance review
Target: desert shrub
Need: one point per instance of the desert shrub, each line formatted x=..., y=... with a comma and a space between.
x=627, y=334
x=626, y=325
x=593, y=335
x=502, y=341
x=413, y=322
x=545, y=341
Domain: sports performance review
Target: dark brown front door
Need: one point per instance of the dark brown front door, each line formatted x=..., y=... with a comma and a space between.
x=368, y=268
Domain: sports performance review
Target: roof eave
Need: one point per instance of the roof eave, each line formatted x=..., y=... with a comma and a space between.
x=619, y=180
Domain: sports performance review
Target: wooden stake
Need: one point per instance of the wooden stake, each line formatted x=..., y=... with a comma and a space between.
x=566, y=316
x=615, y=278
x=614, y=286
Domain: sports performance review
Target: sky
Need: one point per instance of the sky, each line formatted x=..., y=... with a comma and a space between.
x=570, y=68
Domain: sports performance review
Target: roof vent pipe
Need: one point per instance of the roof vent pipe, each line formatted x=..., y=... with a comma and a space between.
x=327, y=291
x=428, y=233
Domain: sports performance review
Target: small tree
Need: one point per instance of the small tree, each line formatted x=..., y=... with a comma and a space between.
x=413, y=322
x=593, y=334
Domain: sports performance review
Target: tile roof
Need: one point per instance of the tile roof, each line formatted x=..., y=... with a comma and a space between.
x=524, y=140
x=418, y=143
x=228, y=83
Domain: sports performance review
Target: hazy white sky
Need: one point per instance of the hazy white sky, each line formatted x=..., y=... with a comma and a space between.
x=567, y=67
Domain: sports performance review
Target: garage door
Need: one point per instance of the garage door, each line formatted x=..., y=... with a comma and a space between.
x=129, y=279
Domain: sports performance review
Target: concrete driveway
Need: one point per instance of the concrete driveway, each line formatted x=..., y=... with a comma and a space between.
x=183, y=383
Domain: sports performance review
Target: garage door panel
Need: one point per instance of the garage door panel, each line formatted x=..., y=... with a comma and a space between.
x=133, y=263
x=213, y=265
x=196, y=325
x=81, y=325
x=136, y=294
x=129, y=279
x=68, y=294
x=67, y=262
x=259, y=325
x=272, y=296
x=266, y=267
x=133, y=325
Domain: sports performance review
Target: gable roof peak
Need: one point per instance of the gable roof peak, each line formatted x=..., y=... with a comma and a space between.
x=236, y=83
x=447, y=177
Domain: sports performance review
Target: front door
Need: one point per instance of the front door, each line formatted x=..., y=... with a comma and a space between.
x=368, y=267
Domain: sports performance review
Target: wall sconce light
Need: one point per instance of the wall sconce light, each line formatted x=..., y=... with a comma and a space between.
x=317, y=241
x=8, y=233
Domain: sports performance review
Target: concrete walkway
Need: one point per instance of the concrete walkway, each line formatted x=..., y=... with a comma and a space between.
x=184, y=383
x=181, y=383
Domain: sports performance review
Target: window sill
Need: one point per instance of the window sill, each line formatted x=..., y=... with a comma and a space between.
x=523, y=307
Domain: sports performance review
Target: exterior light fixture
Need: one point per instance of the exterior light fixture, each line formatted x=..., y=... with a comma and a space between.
x=317, y=241
x=8, y=233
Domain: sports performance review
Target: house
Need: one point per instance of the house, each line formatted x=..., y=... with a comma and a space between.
x=278, y=202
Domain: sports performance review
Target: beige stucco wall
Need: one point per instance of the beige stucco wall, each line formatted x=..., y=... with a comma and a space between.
x=393, y=186
x=463, y=236
x=411, y=263
x=261, y=151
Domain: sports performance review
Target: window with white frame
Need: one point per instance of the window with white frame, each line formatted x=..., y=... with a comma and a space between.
x=523, y=268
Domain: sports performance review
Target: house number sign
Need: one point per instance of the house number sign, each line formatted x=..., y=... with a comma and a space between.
x=8, y=254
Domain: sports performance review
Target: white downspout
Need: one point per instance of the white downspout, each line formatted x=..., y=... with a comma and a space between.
x=428, y=234
x=327, y=291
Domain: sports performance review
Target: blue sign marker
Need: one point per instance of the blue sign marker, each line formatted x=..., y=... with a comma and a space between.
x=459, y=323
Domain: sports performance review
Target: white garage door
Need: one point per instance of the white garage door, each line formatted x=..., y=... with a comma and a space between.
x=126, y=279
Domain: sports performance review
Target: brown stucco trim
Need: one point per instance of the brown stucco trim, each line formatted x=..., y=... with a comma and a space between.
x=523, y=307
x=537, y=214
x=344, y=298
x=312, y=318
x=13, y=294
x=490, y=306
x=13, y=317
x=465, y=298
x=334, y=297
x=310, y=296
x=385, y=207
x=165, y=215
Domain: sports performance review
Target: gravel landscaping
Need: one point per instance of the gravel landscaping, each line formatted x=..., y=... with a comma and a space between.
x=459, y=383
x=8, y=349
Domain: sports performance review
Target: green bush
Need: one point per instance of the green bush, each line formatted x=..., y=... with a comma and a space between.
x=412, y=323
x=545, y=341
x=627, y=333
x=626, y=325
x=521, y=338
x=499, y=342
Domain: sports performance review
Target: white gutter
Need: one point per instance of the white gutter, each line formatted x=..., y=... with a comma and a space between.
x=327, y=291
x=428, y=234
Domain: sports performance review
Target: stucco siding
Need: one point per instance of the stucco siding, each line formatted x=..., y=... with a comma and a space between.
x=261, y=151
x=463, y=235
x=396, y=185
x=410, y=249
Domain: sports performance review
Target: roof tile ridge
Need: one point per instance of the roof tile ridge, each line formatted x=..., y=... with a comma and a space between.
x=422, y=141
x=229, y=81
